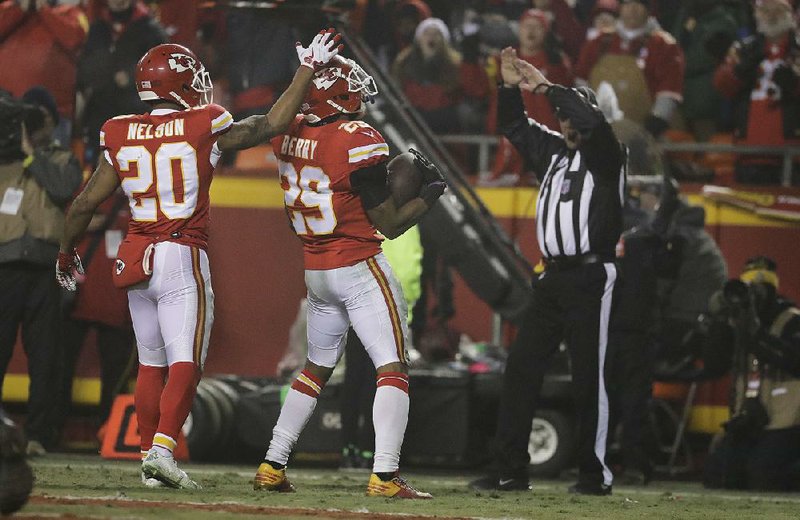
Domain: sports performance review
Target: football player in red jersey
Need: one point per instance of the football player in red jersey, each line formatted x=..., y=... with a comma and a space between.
x=164, y=160
x=332, y=168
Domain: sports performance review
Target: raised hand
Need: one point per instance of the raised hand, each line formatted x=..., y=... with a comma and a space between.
x=66, y=266
x=531, y=76
x=320, y=51
x=508, y=69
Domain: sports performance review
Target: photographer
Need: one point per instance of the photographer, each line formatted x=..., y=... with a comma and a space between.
x=37, y=179
x=755, y=333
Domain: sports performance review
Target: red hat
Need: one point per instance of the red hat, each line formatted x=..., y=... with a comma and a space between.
x=605, y=6
x=542, y=16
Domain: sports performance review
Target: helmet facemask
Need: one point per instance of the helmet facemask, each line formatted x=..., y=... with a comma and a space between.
x=358, y=83
x=202, y=84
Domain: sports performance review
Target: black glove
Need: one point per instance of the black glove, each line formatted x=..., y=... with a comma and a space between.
x=430, y=172
x=751, y=54
x=431, y=192
x=655, y=125
x=786, y=80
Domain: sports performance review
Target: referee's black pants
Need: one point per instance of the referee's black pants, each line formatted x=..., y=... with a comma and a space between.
x=572, y=305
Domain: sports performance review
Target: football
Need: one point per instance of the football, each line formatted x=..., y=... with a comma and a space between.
x=405, y=180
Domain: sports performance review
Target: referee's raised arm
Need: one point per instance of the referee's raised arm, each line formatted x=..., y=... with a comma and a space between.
x=535, y=139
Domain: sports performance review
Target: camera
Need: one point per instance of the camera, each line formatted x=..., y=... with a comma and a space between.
x=736, y=293
x=14, y=112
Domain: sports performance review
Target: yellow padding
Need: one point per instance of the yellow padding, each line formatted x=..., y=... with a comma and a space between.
x=707, y=418
x=85, y=390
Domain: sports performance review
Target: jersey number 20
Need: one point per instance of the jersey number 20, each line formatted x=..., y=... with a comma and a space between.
x=160, y=168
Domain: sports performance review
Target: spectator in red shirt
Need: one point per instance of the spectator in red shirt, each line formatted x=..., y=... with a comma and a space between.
x=643, y=63
x=539, y=46
x=39, y=45
x=760, y=75
x=436, y=79
x=565, y=25
x=180, y=19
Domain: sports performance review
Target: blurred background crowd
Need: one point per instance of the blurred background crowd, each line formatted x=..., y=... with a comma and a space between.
x=693, y=70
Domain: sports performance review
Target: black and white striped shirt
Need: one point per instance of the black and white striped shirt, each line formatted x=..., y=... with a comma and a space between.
x=579, y=206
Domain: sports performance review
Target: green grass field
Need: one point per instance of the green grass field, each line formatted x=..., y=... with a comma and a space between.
x=79, y=486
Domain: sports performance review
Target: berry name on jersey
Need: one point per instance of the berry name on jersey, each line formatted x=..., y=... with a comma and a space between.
x=299, y=147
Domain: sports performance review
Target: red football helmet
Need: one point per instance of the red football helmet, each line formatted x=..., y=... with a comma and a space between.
x=173, y=73
x=341, y=88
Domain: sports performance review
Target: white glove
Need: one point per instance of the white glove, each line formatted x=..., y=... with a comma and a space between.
x=321, y=50
x=66, y=266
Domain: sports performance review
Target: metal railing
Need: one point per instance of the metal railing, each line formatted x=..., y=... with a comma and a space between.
x=486, y=144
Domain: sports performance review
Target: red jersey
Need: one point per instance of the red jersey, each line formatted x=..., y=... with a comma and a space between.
x=314, y=165
x=657, y=54
x=165, y=160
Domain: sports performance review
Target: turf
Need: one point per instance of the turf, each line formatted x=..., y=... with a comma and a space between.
x=86, y=486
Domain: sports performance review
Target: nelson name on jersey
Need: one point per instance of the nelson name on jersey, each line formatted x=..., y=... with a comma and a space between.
x=299, y=147
x=142, y=131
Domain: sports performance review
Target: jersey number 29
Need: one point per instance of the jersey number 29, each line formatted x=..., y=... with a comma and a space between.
x=308, y=198
x=161, y=169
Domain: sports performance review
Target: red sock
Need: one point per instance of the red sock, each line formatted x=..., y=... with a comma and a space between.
x=177, y=398
x=149, y=385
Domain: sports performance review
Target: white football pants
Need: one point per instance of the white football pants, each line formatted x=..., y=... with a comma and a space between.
x=173, y=312
x=366, y=295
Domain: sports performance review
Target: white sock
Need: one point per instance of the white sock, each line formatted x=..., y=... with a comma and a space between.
x=295, y=412
x=390, y=417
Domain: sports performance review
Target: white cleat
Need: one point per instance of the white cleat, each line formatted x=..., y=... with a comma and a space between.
x=165, y=470
x=152, y=482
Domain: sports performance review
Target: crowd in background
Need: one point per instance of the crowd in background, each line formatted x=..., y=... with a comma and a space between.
x=696, y=69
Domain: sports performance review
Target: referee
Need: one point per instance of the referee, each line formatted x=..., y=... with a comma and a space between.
x=578, y=224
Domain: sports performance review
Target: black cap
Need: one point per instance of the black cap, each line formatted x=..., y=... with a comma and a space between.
x=761, y=262
x=41, y=97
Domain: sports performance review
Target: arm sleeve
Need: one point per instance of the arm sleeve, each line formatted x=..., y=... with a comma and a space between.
x=604, y=153
x=11, y=16
x=365, y=146
x=571, y=105
x=669, y=69
x=67, y=25
x=530, y=138
x=371, y=184
x=221, y=120
x=58, y=172
x=717, y=351
x=725, y=80
x=781, y=352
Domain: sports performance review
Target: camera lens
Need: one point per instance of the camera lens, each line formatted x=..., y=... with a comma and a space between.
x=736, y=292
